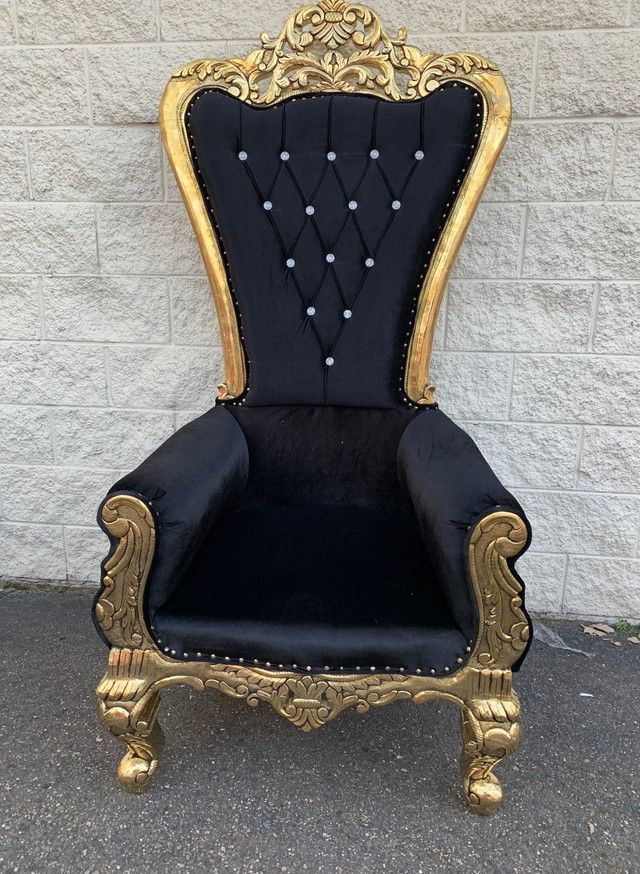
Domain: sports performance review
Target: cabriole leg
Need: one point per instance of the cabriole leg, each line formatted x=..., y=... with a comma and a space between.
x=128, y=706
x=490, y=731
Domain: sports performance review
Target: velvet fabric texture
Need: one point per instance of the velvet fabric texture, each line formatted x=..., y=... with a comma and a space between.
x=188, y=483
x=316, y=587
x=327, y=456
x=316, y=536
x=299, y=229
x=321, y=521
x=451, y=487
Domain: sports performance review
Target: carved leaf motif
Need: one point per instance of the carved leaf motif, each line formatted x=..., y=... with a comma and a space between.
x=505, y=629
x=118, y=609
x=361, y=57
x=306, y=701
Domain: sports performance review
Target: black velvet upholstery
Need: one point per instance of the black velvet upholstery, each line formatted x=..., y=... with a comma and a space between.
x=188, y=483
x=328, y=456
x=314, y=586
x=322, y=520
x=274, y=544
x=286, y=347
x=452, y=487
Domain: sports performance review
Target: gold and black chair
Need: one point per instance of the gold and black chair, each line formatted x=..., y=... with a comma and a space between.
x=325, y=537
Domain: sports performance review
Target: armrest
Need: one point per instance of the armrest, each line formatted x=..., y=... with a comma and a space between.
x=187, y=483
x=451, y=487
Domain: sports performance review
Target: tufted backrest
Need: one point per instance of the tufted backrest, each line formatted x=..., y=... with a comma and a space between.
x=328, y=209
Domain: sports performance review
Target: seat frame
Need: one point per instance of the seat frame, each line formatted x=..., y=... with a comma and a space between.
x=338, y=47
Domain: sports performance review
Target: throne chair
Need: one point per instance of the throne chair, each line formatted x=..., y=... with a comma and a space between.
x=324, y=537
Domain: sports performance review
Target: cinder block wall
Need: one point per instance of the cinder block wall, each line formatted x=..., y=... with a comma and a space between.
x=108, y=341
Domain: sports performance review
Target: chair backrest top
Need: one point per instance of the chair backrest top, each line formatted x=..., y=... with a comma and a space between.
x=329, y=226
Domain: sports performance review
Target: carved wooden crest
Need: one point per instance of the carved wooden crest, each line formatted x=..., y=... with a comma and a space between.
x=333, y=45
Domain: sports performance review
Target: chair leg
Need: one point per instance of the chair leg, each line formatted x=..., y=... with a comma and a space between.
x=490, y=731
x=128, y=706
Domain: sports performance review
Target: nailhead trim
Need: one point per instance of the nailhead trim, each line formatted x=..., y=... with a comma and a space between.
x=312, y=669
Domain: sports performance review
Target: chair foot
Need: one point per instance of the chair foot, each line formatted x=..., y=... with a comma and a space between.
x=490, y=731
x=128, y=706
x=137, y=767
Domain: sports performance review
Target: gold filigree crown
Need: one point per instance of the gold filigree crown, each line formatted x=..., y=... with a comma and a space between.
x=333, y=45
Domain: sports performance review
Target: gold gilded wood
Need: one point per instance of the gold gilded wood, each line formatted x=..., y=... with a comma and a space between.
x=119, y=608
x=129, y=693
x=336, y=46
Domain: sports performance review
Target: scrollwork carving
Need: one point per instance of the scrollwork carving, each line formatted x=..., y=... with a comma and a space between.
x=505, y=630
x=333, y=45
x=308, y=701
x=119, y=607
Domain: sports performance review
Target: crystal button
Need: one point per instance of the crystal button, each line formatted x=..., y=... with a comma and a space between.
x=284, y=156
x=311, y=311
x=396, y=204
x=369, y=262
x=267, y=205
x=243, y=156
x=331, y=156
x=347, y=314
x=309, y=210
x=330, y=257
x=291, y=262
x=328, y=361
x=374, y=153
x=353, y=204
x=419, y=155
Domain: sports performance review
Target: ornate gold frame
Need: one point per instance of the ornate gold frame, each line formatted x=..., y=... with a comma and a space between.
x=333, y=46
x=336, y=46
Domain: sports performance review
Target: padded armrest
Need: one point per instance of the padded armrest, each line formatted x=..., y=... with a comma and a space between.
x=451, y=487
x=188, y=482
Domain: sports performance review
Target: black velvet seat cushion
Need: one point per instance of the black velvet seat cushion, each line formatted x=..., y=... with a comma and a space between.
x=316, y=587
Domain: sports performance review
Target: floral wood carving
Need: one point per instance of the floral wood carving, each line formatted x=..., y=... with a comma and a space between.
x=119, y=608
x=505, y=630
x=333, y=45
x=308, y=701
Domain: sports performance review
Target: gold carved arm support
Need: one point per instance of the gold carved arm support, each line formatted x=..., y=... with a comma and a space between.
x=504, y=628
x=119, y=608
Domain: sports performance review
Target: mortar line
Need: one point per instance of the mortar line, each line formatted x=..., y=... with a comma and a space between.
x=579, y=457
x=87, y=84
x=565, y=575
x=524, y=225
x=534, y=76
x=27, y=158
x=415, y=37
x=612, y=168
x=593, y=327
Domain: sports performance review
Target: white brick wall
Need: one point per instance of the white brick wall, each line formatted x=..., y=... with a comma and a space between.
x=107, y=335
